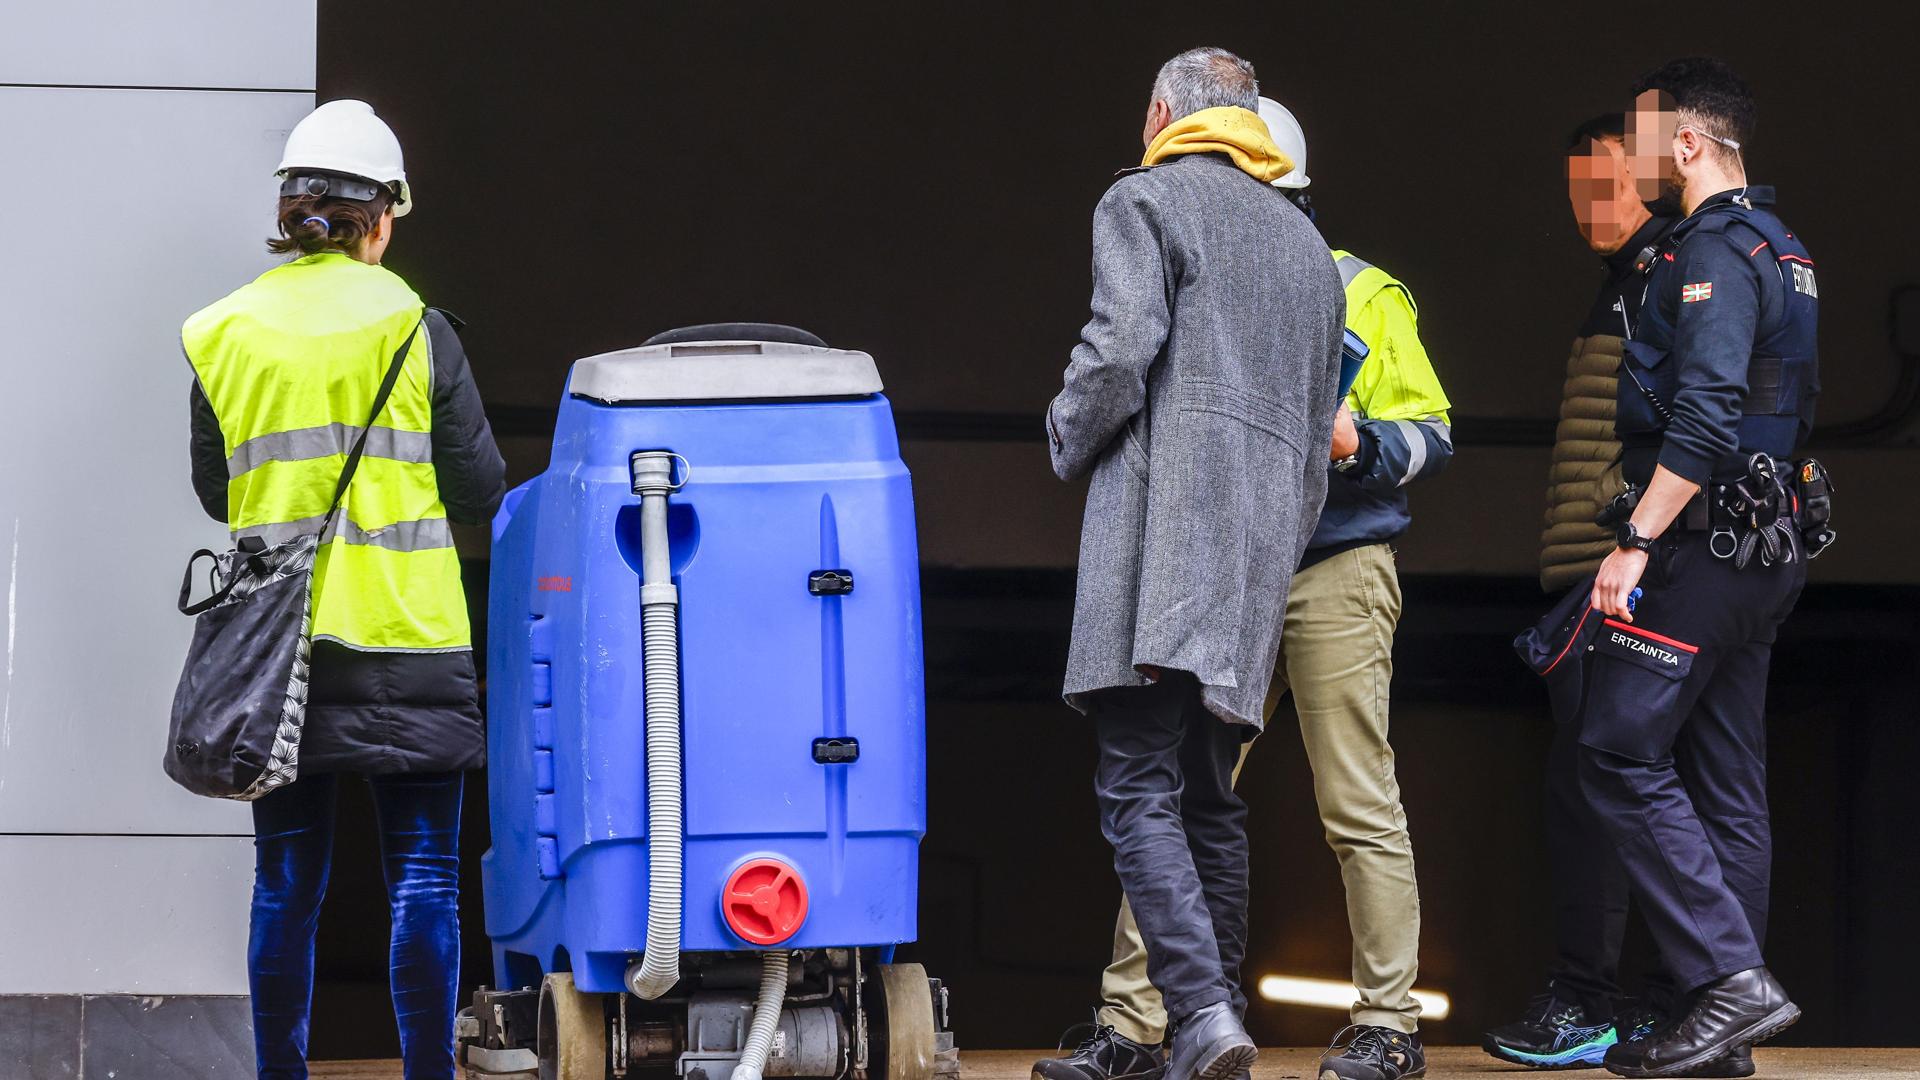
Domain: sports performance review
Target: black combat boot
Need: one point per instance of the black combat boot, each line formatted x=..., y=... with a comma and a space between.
x=1637, y=1022
x=1104, y=1055
x=1627, y=1056
x=1727, y=1017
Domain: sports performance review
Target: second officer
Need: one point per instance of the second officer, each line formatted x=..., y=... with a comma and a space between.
x=1715, y=394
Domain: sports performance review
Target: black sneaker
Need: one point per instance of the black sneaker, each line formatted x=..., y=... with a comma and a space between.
x=1554, y=1034
x=1634, y=1021
x=1104, y=1055
x=1373, y=1053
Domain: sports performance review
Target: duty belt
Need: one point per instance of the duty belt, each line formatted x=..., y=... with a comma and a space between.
x=1760, y=513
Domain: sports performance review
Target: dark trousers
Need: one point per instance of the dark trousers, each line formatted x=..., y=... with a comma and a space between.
x=1179, y=836
x=419, y=817
x=1672, y=752
x=1589, y=885
x=1589, y=891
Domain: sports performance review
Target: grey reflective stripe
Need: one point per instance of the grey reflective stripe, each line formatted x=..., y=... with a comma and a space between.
x=1351, y=266
x=1441, y=430
x=426, y=534
x=302, y=444
x=1416, y=449
x=345, y=644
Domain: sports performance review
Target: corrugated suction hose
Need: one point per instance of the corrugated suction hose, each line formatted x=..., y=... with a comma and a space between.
x=766, y=1017
x=659, y=969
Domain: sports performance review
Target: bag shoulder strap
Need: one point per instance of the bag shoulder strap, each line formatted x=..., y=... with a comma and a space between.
x=360, y=444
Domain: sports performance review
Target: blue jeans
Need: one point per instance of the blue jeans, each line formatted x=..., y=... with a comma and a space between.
x=419, y=817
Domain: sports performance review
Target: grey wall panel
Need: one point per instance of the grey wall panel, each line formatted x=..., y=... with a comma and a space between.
x=212, y=43
x=124, y=914
x=96, y=513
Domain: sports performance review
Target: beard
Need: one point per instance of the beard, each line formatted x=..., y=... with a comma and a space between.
x=1673, y=187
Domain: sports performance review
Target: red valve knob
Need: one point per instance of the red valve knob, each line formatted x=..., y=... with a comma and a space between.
x=765, y=902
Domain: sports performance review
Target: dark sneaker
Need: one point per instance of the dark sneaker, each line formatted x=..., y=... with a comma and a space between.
x=1729, y=1015
x=1103, y=1055
x=1635, y=1021
x=1554, y=1034
x=1373, y=1053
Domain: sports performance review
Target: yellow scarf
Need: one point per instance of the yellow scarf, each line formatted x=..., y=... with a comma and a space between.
x=1228, y=130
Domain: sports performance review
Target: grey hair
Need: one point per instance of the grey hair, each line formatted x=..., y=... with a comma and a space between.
x=1206, y=78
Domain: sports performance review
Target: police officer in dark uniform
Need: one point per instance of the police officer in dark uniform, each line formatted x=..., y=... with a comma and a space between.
x=1716, y=391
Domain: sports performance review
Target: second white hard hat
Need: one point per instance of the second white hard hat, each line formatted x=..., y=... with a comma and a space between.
x=345, y=136
x=1289, y=138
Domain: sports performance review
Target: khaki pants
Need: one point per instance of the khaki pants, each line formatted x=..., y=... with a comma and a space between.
x=1336, y=654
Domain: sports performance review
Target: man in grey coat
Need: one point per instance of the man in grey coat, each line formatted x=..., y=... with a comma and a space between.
x=1201, y=397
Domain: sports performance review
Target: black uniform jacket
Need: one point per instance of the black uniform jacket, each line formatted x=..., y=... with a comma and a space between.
x=1722, y=298
x=393, y=712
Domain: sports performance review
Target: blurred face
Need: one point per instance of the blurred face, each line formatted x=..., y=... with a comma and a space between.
x=1652, y=125
x=1601, y=191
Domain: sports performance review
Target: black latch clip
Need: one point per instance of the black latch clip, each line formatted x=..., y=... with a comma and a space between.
x=830, y=582
x=840, y=751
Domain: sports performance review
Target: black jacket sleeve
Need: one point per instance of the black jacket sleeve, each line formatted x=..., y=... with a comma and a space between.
x=467, y=463
x=209, y=454
x=1717, y=316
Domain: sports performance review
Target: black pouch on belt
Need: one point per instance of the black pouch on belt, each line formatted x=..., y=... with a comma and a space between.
x=1812, y=491
x=1554, y=646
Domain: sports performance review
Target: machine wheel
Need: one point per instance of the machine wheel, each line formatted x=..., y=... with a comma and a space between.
x=572, y=1034
x=906, y=1031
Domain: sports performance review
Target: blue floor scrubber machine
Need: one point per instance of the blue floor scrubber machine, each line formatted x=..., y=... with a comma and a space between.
x=707, y=728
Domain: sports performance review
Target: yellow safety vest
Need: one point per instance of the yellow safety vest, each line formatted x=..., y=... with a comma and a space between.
x=291, y=364
x=1398, y=381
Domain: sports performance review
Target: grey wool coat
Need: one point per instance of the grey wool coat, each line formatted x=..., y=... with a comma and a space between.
x=1201, y=397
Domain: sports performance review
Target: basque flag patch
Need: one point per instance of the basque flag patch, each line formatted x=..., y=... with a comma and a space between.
x=1702, y=290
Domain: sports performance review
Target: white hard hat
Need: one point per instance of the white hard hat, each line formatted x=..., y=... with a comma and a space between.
x=345, y=137
x=1290, y=139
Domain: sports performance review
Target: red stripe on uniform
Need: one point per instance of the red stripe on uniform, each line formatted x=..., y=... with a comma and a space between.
x=1796, y=258
x=1756, y=249
x=1661, y=638
x=1570, y=640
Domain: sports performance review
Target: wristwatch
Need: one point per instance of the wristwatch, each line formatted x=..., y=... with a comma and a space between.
x=1347, y=464
x=1628, y=538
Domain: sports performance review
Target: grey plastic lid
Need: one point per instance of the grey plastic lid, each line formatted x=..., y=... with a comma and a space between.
x=725, y=371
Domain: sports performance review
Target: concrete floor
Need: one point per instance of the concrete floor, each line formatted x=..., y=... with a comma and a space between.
x=1447, y=1061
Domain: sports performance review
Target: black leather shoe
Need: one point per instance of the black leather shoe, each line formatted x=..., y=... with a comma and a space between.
x=1737, y=1064
x=1104, y=1055
x=1734, y=1013
x=1626, y=1056
x=1210, y=1045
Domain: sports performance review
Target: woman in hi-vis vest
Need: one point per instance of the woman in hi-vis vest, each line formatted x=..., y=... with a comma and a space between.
x=286, y=371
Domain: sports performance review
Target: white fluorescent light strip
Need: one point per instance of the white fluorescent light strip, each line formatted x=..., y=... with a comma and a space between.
x=1333, y=994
